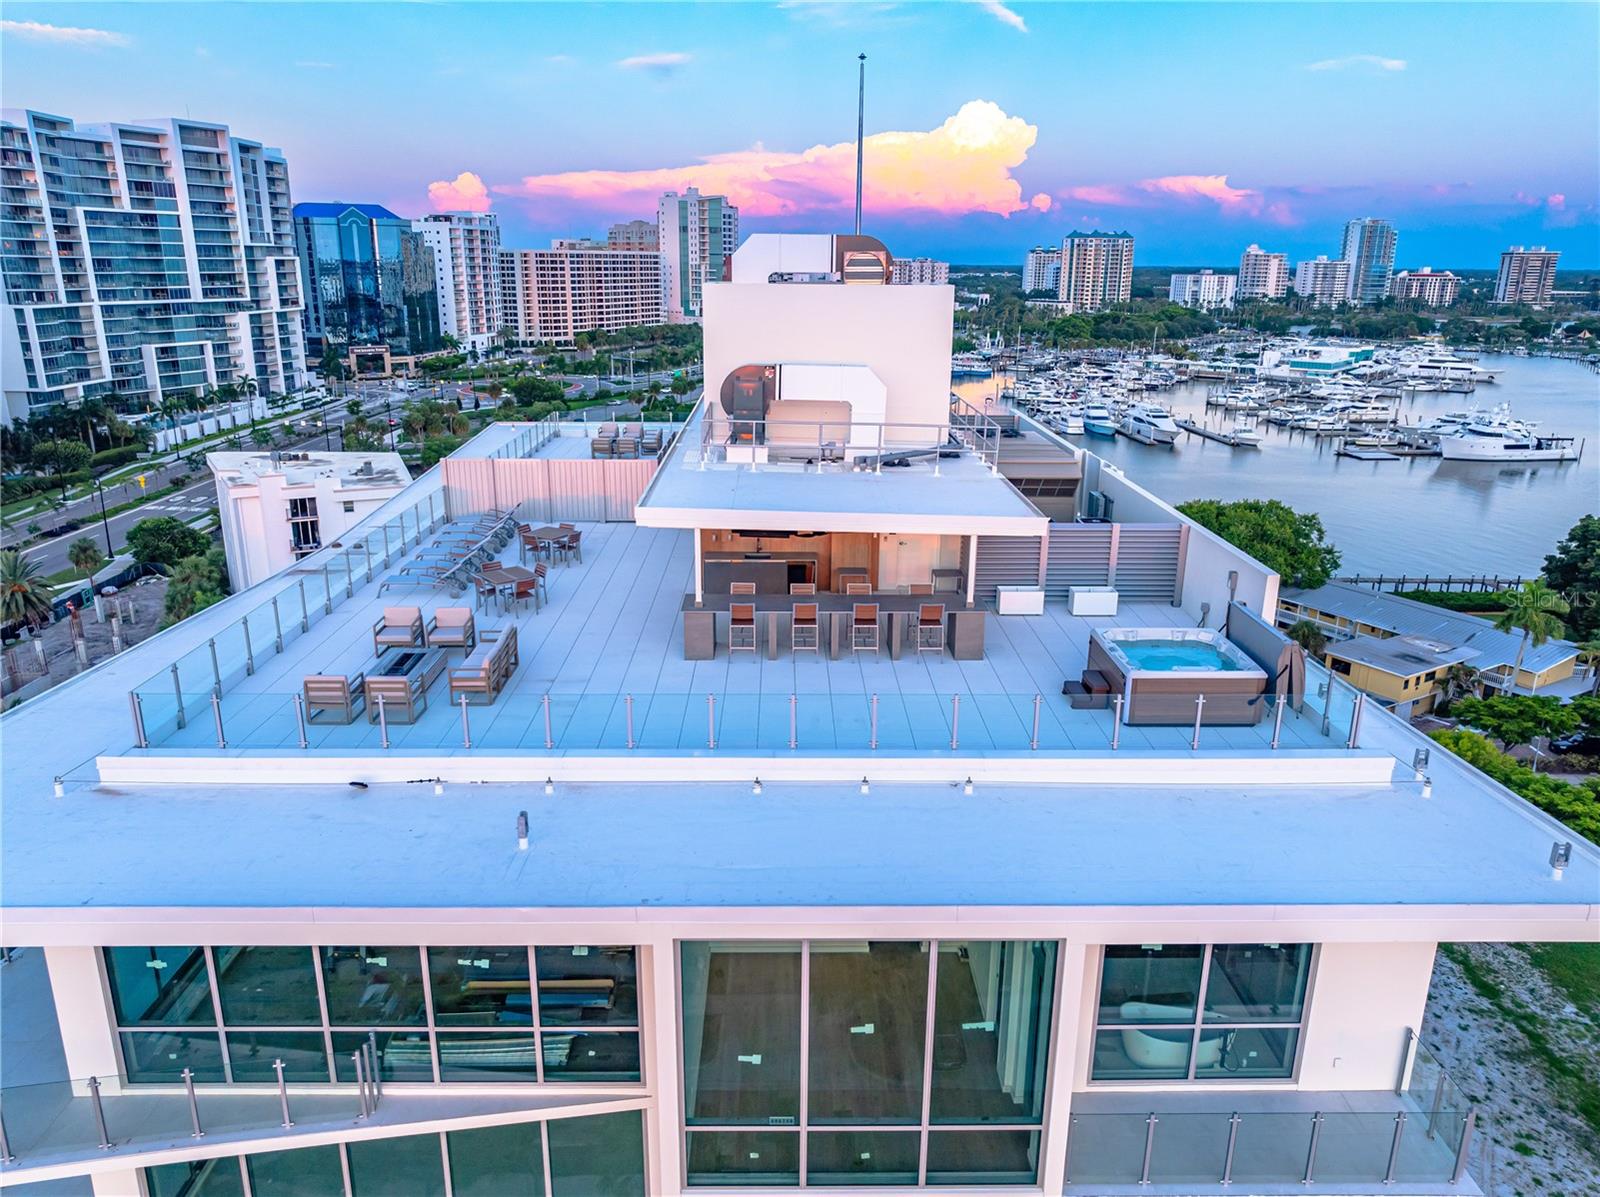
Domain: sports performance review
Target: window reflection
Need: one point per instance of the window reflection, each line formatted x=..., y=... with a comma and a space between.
x=862, y=1157
x=161, y=1056
x=1257, y=982
x=741, y=1032
x=267, y=986
x=304, y=1172
x=402, y=1055
x=869, y=1006
x=165, y=986
x=373, y=986
x=744, y=1158
x=1150, y=982
x=497, y=1161
x=251, y=1055
x=480, y=986
x=586, y=984
x=991, y=1033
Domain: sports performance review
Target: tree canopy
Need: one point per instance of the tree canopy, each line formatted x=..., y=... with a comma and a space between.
x=1578, y=806
x=1291, y=543
x=165, y=540
x=1574, y=570
x=1515, y=719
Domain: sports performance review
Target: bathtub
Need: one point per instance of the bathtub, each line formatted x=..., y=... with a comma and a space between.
x=1160, y=671
x=1168, y=1049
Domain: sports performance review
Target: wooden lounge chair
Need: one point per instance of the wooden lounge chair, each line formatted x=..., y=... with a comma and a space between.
x=326, y=693
x=604, y=442
x=453, y=627
x=399, y=627
x=482, y=676
x=650, y=442
x=627, y=446
x=405, y=699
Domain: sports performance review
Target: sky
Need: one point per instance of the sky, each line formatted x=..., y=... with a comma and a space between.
x=991, y=127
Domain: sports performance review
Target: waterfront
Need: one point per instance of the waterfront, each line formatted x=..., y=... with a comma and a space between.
x=1416, y=515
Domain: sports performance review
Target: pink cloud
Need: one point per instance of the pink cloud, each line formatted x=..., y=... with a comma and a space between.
x=464, y=193
x=1041, y=202
x=1215, y=189
x=1555, y=202
x=965, y=165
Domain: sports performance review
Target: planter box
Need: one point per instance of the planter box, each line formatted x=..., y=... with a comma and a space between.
x=1019, y=600
x=1092, y=600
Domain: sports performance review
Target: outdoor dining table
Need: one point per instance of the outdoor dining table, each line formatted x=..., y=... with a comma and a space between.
x=835, y=612
x=503, y=577
x=547, y=535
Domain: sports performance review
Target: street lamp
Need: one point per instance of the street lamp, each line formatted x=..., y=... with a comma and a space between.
x=104, y=523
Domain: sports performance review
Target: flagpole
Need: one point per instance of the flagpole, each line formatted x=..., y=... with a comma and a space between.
x=861, y=115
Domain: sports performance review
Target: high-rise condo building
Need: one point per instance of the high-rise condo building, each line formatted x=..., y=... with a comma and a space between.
x=696, y=234
x=1262, y=275
x=1204, y=290
x=1526, y=275
x=1041, y=270
x=1096, y=270
x=857, y=796
x=1369, y=248
x=1435, y=288
x=466, y=262
x=552, y=295
x=370, y=279
x=143, y=260
x=921, y=270
x=634, y=234
x=1324, y=282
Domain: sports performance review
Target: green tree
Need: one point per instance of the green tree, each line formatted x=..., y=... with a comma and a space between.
x=84, y=555
x=196, y=582
x=1309, y=636
x=1516, y=719
x=1291, y=543
x=1574, y=570
x=60, y=458
x=537, y=390
x=165, y=540
x=1532, y=607
x=1459, y=681
x=24, y=596
x=1578, y=806
x=263, y=438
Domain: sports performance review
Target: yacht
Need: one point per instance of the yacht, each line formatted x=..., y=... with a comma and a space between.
x=1098, y=420
x=1150, y=424
x=1499, y=438
x=969, y=365
x=1245, y=433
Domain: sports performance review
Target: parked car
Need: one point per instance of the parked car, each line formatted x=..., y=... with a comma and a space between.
x=1584, y=743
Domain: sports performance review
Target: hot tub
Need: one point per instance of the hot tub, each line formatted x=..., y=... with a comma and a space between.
x=1161, y=671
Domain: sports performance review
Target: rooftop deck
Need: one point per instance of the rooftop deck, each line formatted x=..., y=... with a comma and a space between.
x=612, y=631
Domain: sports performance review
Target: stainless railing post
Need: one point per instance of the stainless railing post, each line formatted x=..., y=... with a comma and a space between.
x=283, y=1094
x=349, y=577
x=711, y=720
x=794, y=711
x=1355, y=720
x=1277, y=720
x=216, y=671
x=1311, y=1152
x=327, y=591
x=1038, y=701
x=1438, y=1101
x=249, y=649
x=177, y=692
x=277, y=626
x=388, y=550
x=955, y=722
x=1116, y=722
x=1149, y=1147
x=361, y=1082
x=300, y=721
x=137, y=707
x=872, y=742
x=549, y=740
x=5, y=1144
x=383, y=724
x=466, y=725
x=1199, y=710
x=372, y=1068
x=1408, y=1059
x=194, y=1104
x=216, y=714
x=1394, y=1147
x=1233, y=1139
x=1466, y=1142
x=99, y=1112
x=366, y=549
x=627, y=702
x=305, y=615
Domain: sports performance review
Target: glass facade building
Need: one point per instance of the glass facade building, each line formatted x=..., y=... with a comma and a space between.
x=369, y=280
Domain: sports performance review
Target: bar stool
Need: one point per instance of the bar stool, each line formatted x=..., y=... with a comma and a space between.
x=864, y=628
x=742, y=627
x=930, y=627
x=803, y=632
x=920, y=588
x=741, y=587
x=858, y=587
x=805, y=588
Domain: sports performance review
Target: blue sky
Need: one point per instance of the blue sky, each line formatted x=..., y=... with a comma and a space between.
x=1199, y=127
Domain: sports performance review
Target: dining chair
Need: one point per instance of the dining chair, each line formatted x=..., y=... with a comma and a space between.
x=742, y=627
x=930, y=627
x=864, y=628
x=803, y=631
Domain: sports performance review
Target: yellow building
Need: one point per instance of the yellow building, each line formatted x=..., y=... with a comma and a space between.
x=1407, y=672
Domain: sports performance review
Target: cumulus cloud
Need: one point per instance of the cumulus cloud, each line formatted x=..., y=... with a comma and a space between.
x=63, y=35
x=1003, y=14
x=464, y=193
x=1370, y=62
x=662, y=64
x=965, y=165
x=1185, y=189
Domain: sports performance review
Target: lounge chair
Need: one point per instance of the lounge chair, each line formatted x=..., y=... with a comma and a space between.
x=400, y=627
x=627, y=446
x=482, y=676
x=650, y=443
x=405, y=699
x=333, y=692
x=453, y=627
x=604, y=442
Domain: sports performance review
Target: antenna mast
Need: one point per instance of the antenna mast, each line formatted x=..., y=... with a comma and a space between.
x=861, y=116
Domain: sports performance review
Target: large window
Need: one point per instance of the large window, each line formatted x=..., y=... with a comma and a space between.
x=597, y=1156
x=452, y=1014
x=1194, y=1012
x=865, y=1062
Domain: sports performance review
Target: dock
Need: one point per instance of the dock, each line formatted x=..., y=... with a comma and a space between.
x=1212, y=434
x=1365, y=454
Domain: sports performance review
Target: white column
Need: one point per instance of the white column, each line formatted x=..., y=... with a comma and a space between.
x=1065, y=1035
x=972, y=569
x=699, y=569
x=116, y=1184
x=659, y=1009
x=83, y=1011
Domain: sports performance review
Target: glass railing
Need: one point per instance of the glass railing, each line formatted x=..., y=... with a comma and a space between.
x=1222, y=1147
x=55, y=1121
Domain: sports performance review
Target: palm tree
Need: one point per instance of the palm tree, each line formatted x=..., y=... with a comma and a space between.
x=24, y=597
x=246, y=387
x=84, y=554
x=1532, y=607
x=1589, y=654
x=1459, y=681
x=263, y=438
x=91, y=412
x=1309, y=636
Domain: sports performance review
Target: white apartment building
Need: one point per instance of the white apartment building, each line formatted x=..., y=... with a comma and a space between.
x=1096, y=270
x=766, y=848
x=634, y=234
x=143, y=260
x=1325, y=283
x=466, y=261
x=1262, y=275
x=695, y=235
x=1368, y=246
x=1436, y=288
x=1526, y=275
x=1204, y=290
x=552, y=295
x=277, y=508
x=1041, y=270
x=921, y=271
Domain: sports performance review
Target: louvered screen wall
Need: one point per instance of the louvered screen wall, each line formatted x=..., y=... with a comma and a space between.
x=1149, y=560
x=1080, y=555
x=1005, y=561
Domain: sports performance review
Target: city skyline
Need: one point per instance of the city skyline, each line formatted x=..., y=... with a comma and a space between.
x=1326, y=124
